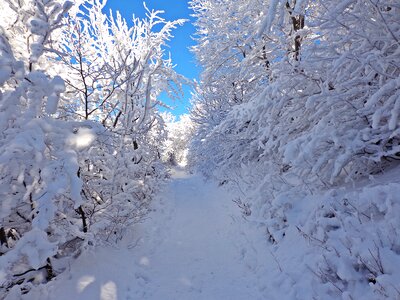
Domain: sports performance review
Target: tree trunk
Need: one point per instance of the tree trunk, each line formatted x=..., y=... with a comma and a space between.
x=3, y=237
x=297, y=24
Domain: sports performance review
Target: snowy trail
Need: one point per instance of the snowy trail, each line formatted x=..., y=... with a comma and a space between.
x=190, y=247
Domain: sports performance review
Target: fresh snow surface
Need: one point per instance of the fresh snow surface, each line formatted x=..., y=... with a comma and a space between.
x=189, y=247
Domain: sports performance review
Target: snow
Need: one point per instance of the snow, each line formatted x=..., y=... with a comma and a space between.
x=82, y=138
x=189, y=247
x=304, y=145
x=195, y=244
x=4, y=73
x=269, y=17
x=52, y=103
x=34, y=246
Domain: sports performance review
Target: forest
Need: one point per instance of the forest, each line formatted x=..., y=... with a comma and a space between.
x=295, y=116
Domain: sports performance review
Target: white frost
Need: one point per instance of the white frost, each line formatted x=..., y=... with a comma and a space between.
x=83, y=138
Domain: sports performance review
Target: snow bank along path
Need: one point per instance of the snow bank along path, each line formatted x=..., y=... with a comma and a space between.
x=189, y=247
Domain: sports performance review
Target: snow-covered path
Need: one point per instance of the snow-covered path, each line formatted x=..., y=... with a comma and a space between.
x=190, y=247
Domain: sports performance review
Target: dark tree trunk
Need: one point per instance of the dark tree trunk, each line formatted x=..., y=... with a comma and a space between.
x=83, y=217
x=3, y=237
x=297, y=24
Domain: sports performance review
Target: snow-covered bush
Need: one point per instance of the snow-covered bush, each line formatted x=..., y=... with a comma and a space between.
x=358, y=232
x=351, y=112
x=80, y=135
x=235, y=68
x=120, y=178
x=326, y=108
x=114, y=74
x=39, y=186
x=324, y=112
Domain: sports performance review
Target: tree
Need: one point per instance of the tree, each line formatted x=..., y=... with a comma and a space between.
x=80, y=132
x=114, y=75
x=179, y=134
x=325, y=113
x=236, y=65
x=39, y=185
x=305, y=109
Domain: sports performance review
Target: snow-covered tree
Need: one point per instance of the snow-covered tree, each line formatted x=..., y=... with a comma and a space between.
x=234, y=62
x=114, y=75
x=306, y=110
x=39, y=184
x=80, y=133
x=236, y=66
x=179, y=133
x=324, y=111
x=351, y=109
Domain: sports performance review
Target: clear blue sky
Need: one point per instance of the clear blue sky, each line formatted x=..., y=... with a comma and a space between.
x=180, y=53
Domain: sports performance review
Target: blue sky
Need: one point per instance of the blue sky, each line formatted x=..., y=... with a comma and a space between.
x=180, y=53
